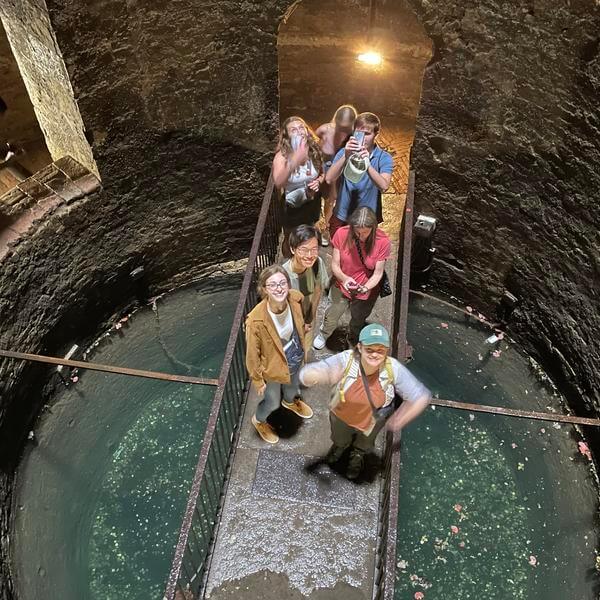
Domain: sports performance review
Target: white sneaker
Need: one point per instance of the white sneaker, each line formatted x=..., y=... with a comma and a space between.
x=319, y=342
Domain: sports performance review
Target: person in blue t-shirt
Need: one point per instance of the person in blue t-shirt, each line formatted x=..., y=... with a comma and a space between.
x=365, y=170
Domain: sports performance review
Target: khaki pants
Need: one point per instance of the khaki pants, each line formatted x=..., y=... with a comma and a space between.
x=342, y=435
x=359, y=311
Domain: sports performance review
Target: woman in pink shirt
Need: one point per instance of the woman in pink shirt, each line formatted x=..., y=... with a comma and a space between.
x=360, y=250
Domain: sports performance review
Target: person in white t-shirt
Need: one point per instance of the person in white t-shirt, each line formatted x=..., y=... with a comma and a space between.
x=275, y=349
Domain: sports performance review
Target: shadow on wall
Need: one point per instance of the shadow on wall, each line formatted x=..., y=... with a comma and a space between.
x=81, y=257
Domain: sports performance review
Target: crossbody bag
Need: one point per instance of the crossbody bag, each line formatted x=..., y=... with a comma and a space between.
x=382, y=414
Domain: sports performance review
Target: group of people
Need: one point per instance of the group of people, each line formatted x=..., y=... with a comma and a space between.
x=343, y=166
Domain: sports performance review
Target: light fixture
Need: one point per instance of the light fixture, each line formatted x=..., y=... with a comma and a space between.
x=371, y=56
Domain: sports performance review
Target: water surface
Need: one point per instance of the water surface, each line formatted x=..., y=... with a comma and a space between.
x=100, y=499
x=491, y=507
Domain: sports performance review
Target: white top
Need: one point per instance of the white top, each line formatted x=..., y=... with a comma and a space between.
x=301, y=176
x=283, y=323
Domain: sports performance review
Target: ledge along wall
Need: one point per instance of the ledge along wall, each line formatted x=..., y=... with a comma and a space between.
x=181, y=110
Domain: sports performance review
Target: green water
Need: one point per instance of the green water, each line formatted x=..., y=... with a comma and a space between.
x=511, y=489
x=100, y=499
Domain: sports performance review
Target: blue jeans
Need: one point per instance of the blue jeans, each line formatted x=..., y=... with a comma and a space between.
x=272, y=399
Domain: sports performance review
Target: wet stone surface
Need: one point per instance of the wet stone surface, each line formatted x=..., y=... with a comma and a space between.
x=283, y=475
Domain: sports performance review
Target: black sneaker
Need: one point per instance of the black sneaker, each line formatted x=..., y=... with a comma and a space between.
x=334, y=455
x=355, y=464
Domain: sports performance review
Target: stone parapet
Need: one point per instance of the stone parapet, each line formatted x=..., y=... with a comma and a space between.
x=66, y=179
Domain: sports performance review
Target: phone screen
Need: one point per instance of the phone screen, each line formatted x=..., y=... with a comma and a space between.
x=359, y=136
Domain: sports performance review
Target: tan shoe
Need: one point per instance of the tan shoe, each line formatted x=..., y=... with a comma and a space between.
x=300, y=408
x=265, y=431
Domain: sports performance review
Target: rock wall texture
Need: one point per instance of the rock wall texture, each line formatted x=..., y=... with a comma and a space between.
x=506, y=156
x=318, y=69
x=181, y=103
x=41, y=64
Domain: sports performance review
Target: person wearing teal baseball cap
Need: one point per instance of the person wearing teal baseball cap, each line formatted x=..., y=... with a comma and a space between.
x=366, y=381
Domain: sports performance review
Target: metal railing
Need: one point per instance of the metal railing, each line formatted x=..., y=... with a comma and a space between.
x=191, y=561
x=200, y=522
x=385, y=555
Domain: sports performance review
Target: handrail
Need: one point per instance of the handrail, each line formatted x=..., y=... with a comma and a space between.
x=80, y=364
x=385, y=559
x=190, y=557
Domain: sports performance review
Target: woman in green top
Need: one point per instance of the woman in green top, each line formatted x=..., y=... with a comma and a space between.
x=307, y=272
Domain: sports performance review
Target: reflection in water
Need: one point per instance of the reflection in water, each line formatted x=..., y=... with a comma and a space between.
x=102, y=495
x=490, y=507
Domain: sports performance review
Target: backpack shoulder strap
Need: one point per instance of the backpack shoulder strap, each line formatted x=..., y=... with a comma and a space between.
x=345, y=377
x=390, y=371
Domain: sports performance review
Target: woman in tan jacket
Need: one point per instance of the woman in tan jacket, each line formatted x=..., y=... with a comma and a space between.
x=275, y=349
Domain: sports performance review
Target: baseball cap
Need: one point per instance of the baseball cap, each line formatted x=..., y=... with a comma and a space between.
x=374, y=334
x=355, y=168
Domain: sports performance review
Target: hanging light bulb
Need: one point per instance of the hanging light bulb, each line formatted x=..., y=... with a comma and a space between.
x=371, y=58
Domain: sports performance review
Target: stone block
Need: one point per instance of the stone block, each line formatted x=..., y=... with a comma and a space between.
x=32, y=187
x=13, y=197
x=70, y=167
x=59, y=183
x=88, y=183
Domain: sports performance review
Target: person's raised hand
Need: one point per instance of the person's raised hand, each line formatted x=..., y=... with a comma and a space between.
x=300, y=155
x=351, y=147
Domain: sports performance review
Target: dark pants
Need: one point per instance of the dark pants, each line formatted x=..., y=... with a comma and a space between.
x=342, y=435
x=359, y=312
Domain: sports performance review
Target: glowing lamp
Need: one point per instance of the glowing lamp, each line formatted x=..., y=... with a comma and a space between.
x=370, y=58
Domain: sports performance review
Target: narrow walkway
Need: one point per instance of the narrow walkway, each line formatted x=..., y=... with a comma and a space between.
x=285, y=532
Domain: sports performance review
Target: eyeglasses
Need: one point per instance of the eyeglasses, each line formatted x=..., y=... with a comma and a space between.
x=307, y=252
x=282, y=285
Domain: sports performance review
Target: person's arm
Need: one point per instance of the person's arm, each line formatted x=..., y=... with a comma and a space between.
x=337, y=167
x=324, y=372
x=414, y=394
x=283, y=166
x=407, y=412
x=381, y=180
x=253, y=359
x=386, y=164
x=374, y=280
x=336, y=269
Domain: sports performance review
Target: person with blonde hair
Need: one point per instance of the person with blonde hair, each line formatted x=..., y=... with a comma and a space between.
x=360, y=250
x=333, y=136
x=298, y=174
x=275, y=349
